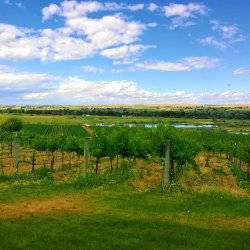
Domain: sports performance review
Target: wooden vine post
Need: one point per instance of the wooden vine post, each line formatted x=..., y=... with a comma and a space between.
x=16, y=153
x=167, y=163
x=86, y=157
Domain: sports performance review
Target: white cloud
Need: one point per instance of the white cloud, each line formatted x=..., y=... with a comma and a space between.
x=203, y=62
x=92, y=69
x=186, y=64
x=210, y=40
x=126, y=53
x=73, y=9
x=228, y=32
x=152, y=7
x=227, y=35
x=77, y=90
x=242, y=71
x=80, y=38
x=117, y=70
x=13, y=80
x=50, y=11
x=183, y=14
x=112, y=91
x=226, y=97
x=152, y=25
x=136, y=7
x=9, y=32
x=46, y=45
x=162, y=66
x=13, y=3
x=107, y=31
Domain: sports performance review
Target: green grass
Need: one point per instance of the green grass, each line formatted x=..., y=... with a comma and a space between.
x=120, y=218
x=241, y=176
x=43, y=119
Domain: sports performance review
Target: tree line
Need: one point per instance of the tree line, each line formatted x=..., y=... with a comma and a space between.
x=194, y=112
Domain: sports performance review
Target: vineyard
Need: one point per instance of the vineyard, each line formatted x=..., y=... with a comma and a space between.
x=137, y=180
x=44, y=145
x=55, y=130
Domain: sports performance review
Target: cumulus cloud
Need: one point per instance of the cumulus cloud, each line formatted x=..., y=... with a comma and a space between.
x=46, y=45
x=78, y=90
x=185, y=64
x=80, y=37
x=13, y=81
x=107, y=91
x=183, y=15
x=50, y=11
x=227, y=35
x=73, y=9
x=242, y=71
x=10, y=77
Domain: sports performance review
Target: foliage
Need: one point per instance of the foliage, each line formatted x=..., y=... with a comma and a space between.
x=12, y=125
x=44, y=173
x=117, y=176
x=55, y=130
x=241, y=176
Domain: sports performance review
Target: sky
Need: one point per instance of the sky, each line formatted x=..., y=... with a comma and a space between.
x=124, y=52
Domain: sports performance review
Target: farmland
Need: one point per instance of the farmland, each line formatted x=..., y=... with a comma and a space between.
x=229, y=125
x=55, y=130
x=81, y=185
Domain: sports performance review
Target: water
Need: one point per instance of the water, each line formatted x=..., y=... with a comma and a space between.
x=194, y=126
x=239, y=133
x=155, y=125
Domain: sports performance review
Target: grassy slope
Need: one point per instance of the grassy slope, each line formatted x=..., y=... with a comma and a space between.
x=124, y=219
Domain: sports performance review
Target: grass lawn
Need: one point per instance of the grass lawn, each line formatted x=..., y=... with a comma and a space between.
x=58, y=216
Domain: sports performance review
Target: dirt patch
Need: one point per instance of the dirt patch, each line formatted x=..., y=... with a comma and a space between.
x=151, y=176
x=215, y=176
x=87, y=128
x=42, y=207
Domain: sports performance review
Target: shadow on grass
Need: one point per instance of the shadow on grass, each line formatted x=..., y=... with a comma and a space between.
x=109, y=232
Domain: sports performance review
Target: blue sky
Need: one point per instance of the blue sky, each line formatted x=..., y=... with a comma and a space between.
x=81, y=52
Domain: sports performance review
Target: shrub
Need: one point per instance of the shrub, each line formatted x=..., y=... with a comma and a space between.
x=44, y=173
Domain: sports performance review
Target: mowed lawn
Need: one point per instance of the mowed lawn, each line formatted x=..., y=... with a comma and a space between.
x=58, y=216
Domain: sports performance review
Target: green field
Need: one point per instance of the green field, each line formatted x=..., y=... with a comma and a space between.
x=121, y=219
x=59, y=191
x=54, y=130
x=230, y=125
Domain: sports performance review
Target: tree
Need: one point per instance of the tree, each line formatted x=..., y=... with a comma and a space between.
x=182, y=151
x=52, y=147
x=70, y=146
x=111, y=148
x=12, y=125
x=37, y=144
x=98, y=147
